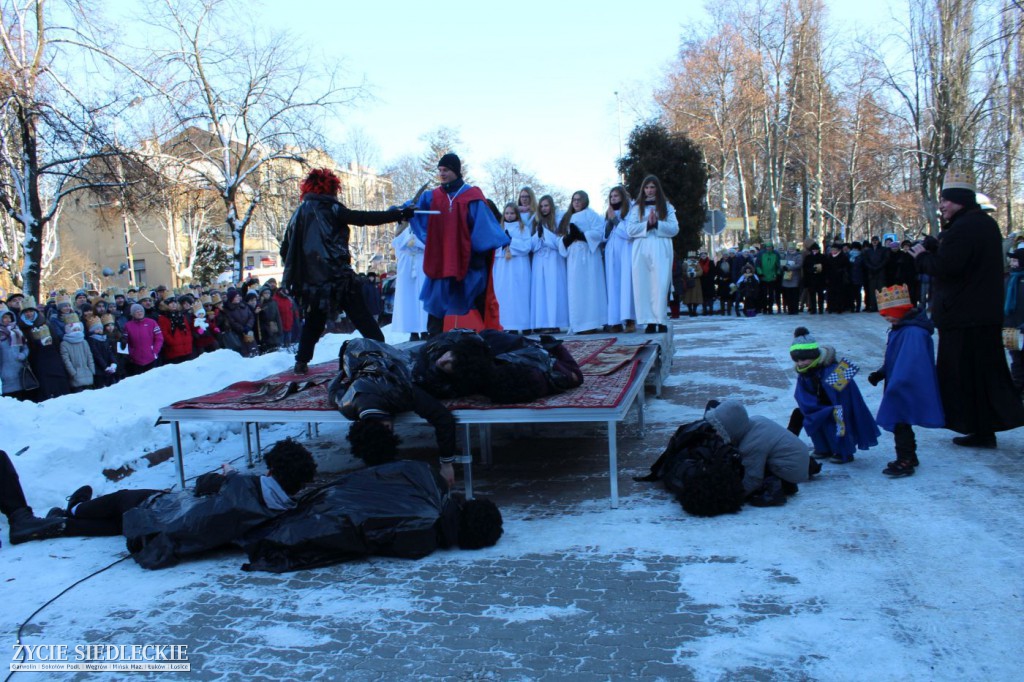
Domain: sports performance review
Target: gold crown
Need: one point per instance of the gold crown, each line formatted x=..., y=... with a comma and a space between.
x=958, y=179
x=890, y=297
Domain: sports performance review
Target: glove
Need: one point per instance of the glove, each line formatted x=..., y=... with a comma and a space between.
x=112, y=368
x=407, y=213
x=876, y=377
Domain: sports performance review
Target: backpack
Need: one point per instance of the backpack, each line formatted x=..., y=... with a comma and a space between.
x=703, y=471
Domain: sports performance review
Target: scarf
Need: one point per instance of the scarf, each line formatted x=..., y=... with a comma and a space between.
x=102, y=338
x=1011, y=291
x=453, y=186
x=74, y=337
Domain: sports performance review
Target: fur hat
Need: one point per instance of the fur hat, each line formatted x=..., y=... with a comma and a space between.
x=804, y=346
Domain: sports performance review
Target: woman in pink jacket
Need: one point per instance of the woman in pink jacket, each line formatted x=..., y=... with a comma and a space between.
x=144, y=341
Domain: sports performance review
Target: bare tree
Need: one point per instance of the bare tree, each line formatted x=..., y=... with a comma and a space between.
x=50, y=128
x=242, y=101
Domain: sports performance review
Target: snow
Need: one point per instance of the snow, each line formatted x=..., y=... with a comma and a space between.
x=857, y=564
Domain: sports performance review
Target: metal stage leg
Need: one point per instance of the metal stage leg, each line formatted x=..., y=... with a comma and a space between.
x=248, y=443
x=466, y=460
x=613, y=464
x=176, y=448
x=259, y=448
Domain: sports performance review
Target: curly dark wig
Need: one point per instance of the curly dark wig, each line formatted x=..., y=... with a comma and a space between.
x=480, y=524
x=713, y=486
x=373, y=442
x=291, y=465
x=320, y=181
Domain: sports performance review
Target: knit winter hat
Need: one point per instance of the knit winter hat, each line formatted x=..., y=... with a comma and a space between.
x=136, y=307
x=804, y=345
x=452, y=163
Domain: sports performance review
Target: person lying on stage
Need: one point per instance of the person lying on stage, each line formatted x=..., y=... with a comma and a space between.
x=375, y=384
x=399, y=509
x=162, y=527
x=507, y=368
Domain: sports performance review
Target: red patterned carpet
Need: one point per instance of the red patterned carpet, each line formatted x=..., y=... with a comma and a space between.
x=608, y=370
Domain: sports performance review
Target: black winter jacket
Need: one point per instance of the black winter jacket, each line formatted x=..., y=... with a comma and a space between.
x=967, y=272
x=317, y=262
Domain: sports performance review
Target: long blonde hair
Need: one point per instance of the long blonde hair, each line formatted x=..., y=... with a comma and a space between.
x=533, y=200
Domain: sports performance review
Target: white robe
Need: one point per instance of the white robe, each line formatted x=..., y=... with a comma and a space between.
x=408, y=317
x=549, y=301
x=588, y=299
x=652, y=263
x=618, y=274
x=511, y=274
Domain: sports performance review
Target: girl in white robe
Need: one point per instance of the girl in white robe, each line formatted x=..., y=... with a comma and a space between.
x=652, y=224
x=408, y=316
x=527, y=206
x=549, y=301
x=511, y=273
x=583, y=235
x=618, y=262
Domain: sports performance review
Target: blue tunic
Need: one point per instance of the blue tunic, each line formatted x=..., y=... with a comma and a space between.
x=840, y=422
x=911, y=383
x=449, y=296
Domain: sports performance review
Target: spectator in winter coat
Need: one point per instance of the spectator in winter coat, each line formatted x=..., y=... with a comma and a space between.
x=875, y=258
x=55, y=320
x=103, y=356
x=144, y=341
x=837, y=279
x=286, y=309
x=240, y=319
x=768, y=270
x=204, y=327
x=1013, y=318
x=13, y=356
x=791, y=265
x=177, y=332
x=269, y=321
x=77, y=356
x=814, y=274
x=43, y=355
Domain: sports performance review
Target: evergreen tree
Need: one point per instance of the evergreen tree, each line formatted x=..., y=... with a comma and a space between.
x=213, y=257
x=679, y=165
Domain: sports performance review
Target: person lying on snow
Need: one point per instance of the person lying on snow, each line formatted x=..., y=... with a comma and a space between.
x=162, y=527
x=375, y=384
x=399, y=509
x=507, y=368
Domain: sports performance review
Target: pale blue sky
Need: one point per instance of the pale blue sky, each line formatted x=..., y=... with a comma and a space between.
x=532, y=80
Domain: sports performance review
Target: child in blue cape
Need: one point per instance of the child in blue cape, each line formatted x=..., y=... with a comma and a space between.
x=835, y=415
x=911, y=395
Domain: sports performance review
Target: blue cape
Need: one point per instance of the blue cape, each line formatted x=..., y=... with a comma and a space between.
x=845, y=424
x=911, y=383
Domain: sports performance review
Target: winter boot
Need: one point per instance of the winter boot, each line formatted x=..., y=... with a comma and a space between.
x=899, y=468
x=26, y=527
x=83, y=494
x=301, y=367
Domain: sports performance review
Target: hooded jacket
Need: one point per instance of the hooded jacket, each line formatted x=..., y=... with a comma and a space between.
x=144, y=341
x=764, y=446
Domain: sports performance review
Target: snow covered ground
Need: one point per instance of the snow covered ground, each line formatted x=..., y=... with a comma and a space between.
x=857, y=577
